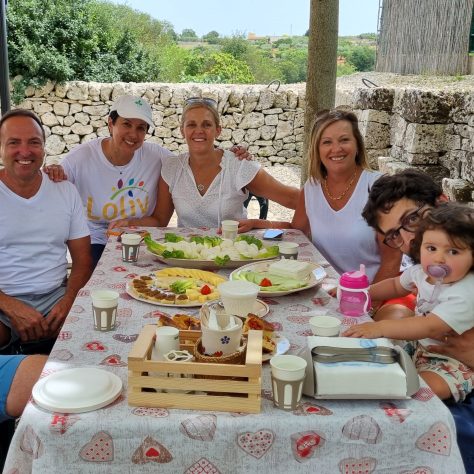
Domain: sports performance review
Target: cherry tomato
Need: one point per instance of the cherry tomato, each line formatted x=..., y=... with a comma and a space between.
x=205, y=290
x=265, y=282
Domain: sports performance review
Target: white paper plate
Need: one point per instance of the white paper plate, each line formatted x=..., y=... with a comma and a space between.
x=282, y=347
x=316, y=276
x=77, y=390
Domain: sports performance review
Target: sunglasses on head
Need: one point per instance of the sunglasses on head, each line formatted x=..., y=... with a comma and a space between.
x=201, y=100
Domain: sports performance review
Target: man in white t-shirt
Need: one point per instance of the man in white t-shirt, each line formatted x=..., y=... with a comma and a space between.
x=39, y=221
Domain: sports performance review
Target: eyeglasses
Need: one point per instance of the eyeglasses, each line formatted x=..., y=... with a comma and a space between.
x=410, y=223
x=201, y=100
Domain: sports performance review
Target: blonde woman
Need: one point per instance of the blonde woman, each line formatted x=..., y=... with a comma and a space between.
x=207, y=185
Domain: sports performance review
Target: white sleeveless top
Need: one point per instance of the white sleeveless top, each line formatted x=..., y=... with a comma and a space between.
x=223, y=199
x=343, y=237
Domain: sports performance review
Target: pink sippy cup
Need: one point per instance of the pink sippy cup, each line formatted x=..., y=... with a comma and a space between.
x=353, y=293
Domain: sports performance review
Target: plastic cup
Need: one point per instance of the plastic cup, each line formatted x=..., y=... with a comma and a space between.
x=130, y=247
x=288, y=373
x=104, y=309
x=325, y=325
x=288, y=250
x=167, y=339
x=238, y=297
x=229, y=229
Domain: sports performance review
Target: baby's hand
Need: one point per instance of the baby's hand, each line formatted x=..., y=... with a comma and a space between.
x=365, y=330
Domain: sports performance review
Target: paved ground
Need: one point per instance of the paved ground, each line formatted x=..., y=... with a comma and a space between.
x=288, y=174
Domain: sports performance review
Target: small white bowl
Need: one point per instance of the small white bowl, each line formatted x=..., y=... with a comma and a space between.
x=238, y=297
x=325, y=325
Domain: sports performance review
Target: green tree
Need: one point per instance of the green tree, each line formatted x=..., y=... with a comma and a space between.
x=237, y=46
x=293, y=64
x=212, y=37
x=188, y=35
x=362, y=57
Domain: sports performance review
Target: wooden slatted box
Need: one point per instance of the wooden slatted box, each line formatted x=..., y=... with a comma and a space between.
x=224, y=394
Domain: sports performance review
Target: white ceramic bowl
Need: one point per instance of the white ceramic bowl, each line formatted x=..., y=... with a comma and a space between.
x=238, y=297
x=325, y=325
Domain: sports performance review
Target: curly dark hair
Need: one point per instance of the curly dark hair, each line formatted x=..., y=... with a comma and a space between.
x=388, y=189
x=454, y=218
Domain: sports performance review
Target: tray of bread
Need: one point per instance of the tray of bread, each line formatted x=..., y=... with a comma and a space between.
x=175, y=287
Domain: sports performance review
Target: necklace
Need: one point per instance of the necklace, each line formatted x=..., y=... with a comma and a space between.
x=200, y=187
x=338, y=198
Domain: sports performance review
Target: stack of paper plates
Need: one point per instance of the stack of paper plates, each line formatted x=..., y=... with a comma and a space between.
x=77, y=390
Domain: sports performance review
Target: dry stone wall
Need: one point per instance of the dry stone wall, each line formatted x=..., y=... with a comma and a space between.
x=403, y=126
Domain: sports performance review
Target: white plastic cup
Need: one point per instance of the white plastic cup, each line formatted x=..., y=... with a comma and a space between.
x=288, y=373
x=130, y=247
x=167, y=339
x=229, y=229
x=288, y=250
x=326, y=326
x=238, y=297
x=104, y=309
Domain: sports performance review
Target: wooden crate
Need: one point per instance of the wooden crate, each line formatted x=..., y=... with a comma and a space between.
x=224, y=394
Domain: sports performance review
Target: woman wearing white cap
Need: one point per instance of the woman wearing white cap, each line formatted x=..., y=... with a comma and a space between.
x=117, y=176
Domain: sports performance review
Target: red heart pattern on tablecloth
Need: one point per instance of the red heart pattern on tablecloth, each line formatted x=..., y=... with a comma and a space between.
x=419, y=470
x=31, y=444
x=82, y=293
x=300, y=308
x=96, y=282
x=124, y=312
x=437, y=440
x=357, y=466
x=114, y=360
x=307, y=409
x=131, y=275
x=64, y=336
x=153, y=412
x=126, y=338
x=277, y=326
x=77, y=308
x=99, y=272
x=364, y=428
x=151, y=451
x=71, y=319
x=61, y=354
x=424, y=394
x=305, y=443
x=119, y=268
x=203, y=466
x=270, y=301
x=95, y=346
x=256, y=444
x=99, y=449
x=60, y=423
x=305, y=333
x=395, y=414
x=319, y=301
x=125, y=296
x=201, y=428
x=299, y=319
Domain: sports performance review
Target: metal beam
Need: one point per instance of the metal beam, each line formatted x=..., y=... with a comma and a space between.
x=4, y=70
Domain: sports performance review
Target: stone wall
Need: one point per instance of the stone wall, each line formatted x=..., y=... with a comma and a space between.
x=429, y=130
x=403, y=126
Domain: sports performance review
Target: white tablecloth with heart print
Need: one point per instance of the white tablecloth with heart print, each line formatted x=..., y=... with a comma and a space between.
x=348, y=436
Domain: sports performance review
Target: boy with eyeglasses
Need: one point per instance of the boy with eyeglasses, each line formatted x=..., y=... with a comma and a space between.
x=394, y=208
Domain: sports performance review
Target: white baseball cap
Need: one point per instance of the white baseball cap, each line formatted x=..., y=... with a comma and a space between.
x=130, y=106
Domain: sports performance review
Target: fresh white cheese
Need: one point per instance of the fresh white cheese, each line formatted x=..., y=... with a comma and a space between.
x=290, y=268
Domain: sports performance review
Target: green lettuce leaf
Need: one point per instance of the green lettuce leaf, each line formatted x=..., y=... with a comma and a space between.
x=153, y=246
x=222, y=260
x=250, y=239
x=278, y=283
x=170, y=237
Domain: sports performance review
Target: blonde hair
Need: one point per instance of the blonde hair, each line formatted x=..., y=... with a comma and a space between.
x=197, y=104
x=316, y=170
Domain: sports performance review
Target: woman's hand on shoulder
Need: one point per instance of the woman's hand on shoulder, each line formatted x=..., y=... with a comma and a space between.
x=55, y=173
x=241, y=153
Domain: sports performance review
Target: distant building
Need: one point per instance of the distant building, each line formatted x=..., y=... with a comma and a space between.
x=269, y=39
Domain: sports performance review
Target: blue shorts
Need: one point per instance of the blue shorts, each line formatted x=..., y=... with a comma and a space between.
x=463, y=414
x=8, y=366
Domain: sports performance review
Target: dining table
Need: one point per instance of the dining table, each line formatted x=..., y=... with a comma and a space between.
x=412, y=435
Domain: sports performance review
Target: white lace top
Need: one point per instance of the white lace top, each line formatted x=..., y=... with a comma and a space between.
x=223, y=199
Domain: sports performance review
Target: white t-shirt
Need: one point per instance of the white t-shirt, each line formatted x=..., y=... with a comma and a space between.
x=223, y=199
x=454, y=303
x=111, y=192
x=343, y=237
x=33, y=233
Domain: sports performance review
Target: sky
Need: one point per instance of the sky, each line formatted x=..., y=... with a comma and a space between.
x=262, y=17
